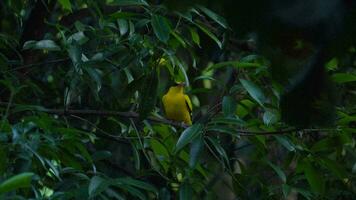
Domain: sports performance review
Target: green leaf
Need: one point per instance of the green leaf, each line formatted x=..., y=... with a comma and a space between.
x=130, y=2
x=229, y=106
x=179, y=39
x=218, y=19
x=101, y=155
x=185, y=192
x=78, y=37
x=235, y=64
x=208, y=33
x=285, y=142
x=22, y=180
x=161, y=152
x=66, y=5
x=195, y=36
x=254, y=91
x=286, y=189
x=270, y=117
x=48, y=45
x=96, y=186
x=164, y=194
x=195, y=151
x=137, y=184
x=148, y=94
x=337, y=169
x=188, y=136
x=123, y=26
x=217, y=146
x=314, y=178
x=227, y=121
x=332, y=65
x=343, y=78
x=132, y=190
x=278, y=171
x=95, y=76
x=223, y=129
x=161, y=27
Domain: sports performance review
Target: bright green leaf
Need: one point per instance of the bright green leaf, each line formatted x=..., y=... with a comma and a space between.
x=66, y=5
x=343, y=78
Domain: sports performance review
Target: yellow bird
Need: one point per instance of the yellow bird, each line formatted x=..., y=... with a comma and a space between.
x=177, y=105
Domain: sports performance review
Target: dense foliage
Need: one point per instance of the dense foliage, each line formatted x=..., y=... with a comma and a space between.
x=81, y=113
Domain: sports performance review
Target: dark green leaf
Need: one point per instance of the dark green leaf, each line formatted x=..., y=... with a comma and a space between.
x=314, y=177
x=278, y=171
x=235, y=64
x=188, y=136
x=217, y=146
x=96, y=186
x=254, y=91
x=101, y=155
x=161, y=27
x=270, y=117
x=229, y=106
x=79, y=37
x=130, y=2
x=48, y=45
x=218, y=19
x=148, y=94
x=210, y=34
x=185, y=192
x=22, y=180
x=195, y=151
x=137, y=184
x=285, y=142
x=123, y=26
x=334, y=167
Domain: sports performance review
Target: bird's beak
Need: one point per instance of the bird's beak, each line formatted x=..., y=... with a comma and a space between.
x=182, y=84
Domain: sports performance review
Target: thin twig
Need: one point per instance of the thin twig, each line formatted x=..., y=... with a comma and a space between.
x=36, y=64
x=131, y=115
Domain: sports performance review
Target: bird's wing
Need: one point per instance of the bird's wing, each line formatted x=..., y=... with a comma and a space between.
x=188, y=103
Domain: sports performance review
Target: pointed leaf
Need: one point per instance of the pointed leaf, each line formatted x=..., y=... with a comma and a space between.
x=254, y=91
x=278, y=171
x=210, y=34
x=314, y=178
x=188, y=136
x=96, y=186
x=148, y=94
x=48, y=45
x=195, y=150
x=185, y=192
x=218, y=19
x=66, y=5
x=161, y=27
x=285, y=142
x=229, y=106
x=22, y=180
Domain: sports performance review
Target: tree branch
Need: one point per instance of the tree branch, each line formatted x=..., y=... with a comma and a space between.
x=132, y=115
x=70, y=112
